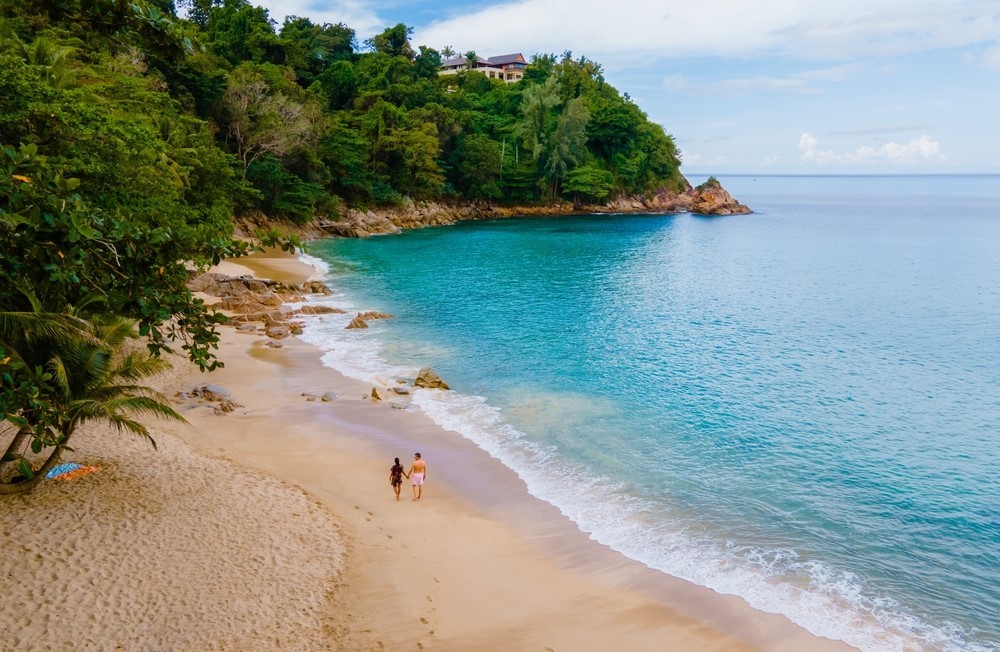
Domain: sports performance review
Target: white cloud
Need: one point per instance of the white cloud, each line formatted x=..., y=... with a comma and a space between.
x=802, y=82
x=849, y=29
x=356, y=14
x=919, y=150
x=693, y=159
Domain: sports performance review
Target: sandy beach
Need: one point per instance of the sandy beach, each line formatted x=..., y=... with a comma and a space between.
x=274, y=527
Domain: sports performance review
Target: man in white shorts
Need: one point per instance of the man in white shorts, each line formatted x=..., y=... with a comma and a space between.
x=418, y=473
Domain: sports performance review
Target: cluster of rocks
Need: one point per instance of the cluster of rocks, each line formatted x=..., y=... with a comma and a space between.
x=326, y=397
x=212, y=394
x=254, y=301
x=398, y=395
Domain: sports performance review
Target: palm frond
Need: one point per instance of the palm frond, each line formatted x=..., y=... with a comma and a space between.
x=89, y=409
x=138, y=365
x=83, y=305
x=113, y=330
x=123, y=424
x=28, y=326
x=57, y=368
x=111, y=392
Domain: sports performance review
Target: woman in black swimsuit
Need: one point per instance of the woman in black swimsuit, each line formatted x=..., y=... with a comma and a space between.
x=396, y=474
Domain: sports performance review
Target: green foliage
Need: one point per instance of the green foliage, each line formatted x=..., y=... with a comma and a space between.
x=62, y=249
x=589, y=183
x=566, y=147
x=242, y=32
x=285, y=194
x=310, y=49
x=261, y=117
x=479, y=167
x=373, y=126
x=711, y=182
x=394, y=41
x=89, y=375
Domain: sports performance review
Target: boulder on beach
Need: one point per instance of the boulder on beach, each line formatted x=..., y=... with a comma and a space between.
x=358, y=322
x=277, y=332
x=216, y=393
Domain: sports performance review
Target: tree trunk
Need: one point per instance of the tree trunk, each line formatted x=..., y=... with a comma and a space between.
x=15, y=444
x=10, y=488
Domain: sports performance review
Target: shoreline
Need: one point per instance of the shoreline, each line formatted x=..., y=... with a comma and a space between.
x=274, y=527
x=464, y=482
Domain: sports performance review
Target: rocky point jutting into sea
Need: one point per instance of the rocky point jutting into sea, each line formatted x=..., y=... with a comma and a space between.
x=706, y=199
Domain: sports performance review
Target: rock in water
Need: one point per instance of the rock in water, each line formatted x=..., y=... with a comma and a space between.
x=427, y=378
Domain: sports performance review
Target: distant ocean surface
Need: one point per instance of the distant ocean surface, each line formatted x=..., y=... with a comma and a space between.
x=800, y=406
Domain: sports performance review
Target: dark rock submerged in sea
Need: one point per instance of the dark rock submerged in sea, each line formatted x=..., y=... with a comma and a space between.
x=707, y=199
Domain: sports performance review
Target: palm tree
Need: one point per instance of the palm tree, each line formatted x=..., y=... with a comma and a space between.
x=85, y=378
x=25, y=337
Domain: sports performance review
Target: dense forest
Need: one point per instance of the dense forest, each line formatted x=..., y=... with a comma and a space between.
x=133, y=131
x=192, y=120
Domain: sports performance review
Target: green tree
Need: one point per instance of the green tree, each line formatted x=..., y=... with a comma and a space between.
x=344, y=152
x=567, y=146
x=262, y=121
x=478, y=167
x=310, y=49
x=416, y=151
x=339, y=84
x=427, y=63
x=538, y=115
x=88, y=378
x=588, y=183
x=242, y=32
x=394, y=41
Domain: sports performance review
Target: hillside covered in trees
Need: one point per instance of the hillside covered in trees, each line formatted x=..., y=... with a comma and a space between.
x=191, y=120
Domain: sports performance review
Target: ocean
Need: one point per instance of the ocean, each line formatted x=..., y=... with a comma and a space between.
x=800, y=406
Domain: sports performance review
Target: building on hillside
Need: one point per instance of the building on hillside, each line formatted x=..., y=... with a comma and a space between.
x=508, y=67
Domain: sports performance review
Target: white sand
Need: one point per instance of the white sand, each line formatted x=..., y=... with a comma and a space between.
x=166, y=550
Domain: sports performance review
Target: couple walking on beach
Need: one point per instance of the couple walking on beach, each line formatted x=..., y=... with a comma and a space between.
x=417, y=473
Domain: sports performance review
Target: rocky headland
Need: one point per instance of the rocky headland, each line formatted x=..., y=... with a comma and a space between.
x=707, y=199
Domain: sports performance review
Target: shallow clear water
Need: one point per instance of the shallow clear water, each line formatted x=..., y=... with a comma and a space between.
x=799, y=406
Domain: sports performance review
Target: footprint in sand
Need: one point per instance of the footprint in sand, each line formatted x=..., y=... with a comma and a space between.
x=423, y=620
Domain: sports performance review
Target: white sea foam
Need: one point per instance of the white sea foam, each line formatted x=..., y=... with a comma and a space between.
x=321, y=266
x=825, y=601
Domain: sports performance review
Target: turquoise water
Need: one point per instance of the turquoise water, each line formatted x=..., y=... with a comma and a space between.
x=799, y=406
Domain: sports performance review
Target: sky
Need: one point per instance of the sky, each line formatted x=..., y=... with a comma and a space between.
x=753, y=86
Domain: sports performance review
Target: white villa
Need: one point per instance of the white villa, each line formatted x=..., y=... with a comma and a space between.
x=508, y=67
